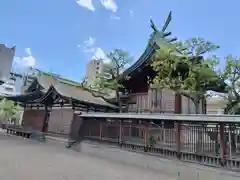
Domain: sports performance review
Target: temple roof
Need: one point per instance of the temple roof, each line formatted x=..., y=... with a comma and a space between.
x=28, y=97
x=46, y=85
x=158, y=39
x=161, y=40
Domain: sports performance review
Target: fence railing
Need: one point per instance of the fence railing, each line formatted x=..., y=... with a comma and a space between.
x=198, y=142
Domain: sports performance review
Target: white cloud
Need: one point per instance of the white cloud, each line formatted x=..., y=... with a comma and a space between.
x=90, y=42
x=115, y=17
x=25, y=61
x=86, y=4
x=96, y=51
x=109, y=5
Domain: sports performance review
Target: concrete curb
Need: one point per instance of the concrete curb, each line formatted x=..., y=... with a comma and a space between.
x=56, y=139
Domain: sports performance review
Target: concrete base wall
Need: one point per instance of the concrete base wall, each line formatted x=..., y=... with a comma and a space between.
x=181, y=170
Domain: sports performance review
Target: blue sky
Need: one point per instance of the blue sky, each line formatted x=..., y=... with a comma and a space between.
x=61, y=36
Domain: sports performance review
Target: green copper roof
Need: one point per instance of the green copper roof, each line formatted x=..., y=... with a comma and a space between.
x=60, y=79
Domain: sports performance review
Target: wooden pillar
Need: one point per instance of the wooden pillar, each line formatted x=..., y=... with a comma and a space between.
x=178, y=138
x=178, y=110
x=222, y=143
x=146, y=133
x=130, y=129
x=178, y=104
x=120, y=132
x=46, y=118
x=204, y=106
x=139, y=130
x=23, y=117
x=72, y=131
x=101, y=130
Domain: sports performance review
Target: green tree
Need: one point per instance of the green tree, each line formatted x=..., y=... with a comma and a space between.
x=9, y=111
x=181, y=68
x=231, y=75
x=108, y=80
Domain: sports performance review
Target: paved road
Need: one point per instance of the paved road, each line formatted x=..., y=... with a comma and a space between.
x=26, y=159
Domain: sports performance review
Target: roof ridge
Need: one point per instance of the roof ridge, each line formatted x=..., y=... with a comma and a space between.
x=76, y=86
x=61, y=79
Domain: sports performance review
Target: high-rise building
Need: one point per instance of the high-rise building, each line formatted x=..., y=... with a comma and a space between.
x=6, y=60
x=28, y=78
x=94, y=67
x=12, y=85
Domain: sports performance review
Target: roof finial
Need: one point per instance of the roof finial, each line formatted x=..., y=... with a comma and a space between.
x=169, y=18
x=153, y=26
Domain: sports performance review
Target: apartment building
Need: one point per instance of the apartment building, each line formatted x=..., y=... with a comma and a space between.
x=28, y=78
x=6, y=60
x=94, y=67
x=16, y=83
x=12, y=84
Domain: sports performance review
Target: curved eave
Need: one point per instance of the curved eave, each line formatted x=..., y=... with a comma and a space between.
x=88, y=103
x=53, y=89
x=91, y=101
x=54, y=93
x=25, y=98
x=152, y=46
x=143, y=58
x=48, y=95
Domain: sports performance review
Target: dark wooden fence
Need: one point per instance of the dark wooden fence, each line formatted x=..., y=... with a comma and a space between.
x=193, y=142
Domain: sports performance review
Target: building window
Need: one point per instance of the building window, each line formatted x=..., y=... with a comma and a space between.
x=9, y=89
x=13, y=78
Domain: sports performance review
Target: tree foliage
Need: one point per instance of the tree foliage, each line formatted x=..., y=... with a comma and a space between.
x=9, y=111
x=231, y=75
x=108, y=80
x=182, y=69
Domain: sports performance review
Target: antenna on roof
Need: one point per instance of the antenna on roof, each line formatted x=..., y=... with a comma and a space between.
x=14, y=48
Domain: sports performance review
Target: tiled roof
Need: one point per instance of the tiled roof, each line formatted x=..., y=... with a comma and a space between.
x=80, y=94
x=63, y=87
x=70, y=89
x=28, y=97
